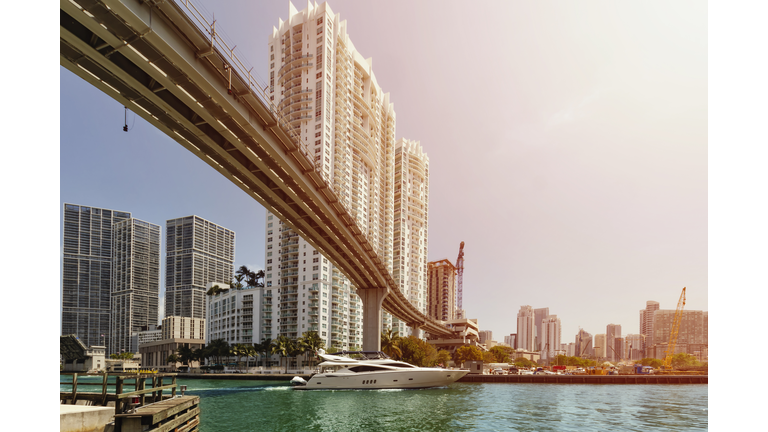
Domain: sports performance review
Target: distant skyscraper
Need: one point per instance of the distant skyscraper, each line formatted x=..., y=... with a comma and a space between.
x=633, y=347
x=410, y=227
x=441, y=301
x=197, y=252
x=599, y=346
x=550, y=336
x=612, y=332
x=538, y=316
x=510, y=340
x=87, y=272
x=135, y=281
x=583, y=343
x=646, y=322
x=485, y=336
x=526, y=328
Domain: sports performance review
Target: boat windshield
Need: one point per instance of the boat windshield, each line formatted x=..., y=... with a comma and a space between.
x=364, y=355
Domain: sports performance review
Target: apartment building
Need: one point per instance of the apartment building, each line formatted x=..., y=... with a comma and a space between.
x=135, y=283
x=305, y=292
x=87, y=271
x=231, y=315
x=646, y=322
x=526, y=328
x=550, y=336
x=441, y=285
x=197, y=252
x=539, y=315
x=411, y=207
x=612, y=333
x=328, y=94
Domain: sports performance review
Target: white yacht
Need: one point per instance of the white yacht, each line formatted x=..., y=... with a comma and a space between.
x=374, y=370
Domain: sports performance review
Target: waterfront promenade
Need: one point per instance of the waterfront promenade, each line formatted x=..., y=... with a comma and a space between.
x=531, y=379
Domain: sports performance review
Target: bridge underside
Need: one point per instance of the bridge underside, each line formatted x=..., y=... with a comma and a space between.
x=154, y=60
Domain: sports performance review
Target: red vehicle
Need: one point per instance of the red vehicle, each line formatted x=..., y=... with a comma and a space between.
x=558, y=368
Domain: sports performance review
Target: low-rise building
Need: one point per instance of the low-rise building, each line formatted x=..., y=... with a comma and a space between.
x=465, y=332
x=176, y=332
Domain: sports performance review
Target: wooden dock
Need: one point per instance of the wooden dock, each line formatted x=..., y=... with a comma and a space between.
x=180, y=414
x=587, y=379
x=148, y=388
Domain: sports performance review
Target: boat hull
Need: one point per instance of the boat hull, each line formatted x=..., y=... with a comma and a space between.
x=396, y=379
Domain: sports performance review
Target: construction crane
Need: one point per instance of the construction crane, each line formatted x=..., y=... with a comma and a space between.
x=460, y=274
x=673, y=333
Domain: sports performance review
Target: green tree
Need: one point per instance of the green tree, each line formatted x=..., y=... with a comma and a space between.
x=681, y=360
x=501, y=354
x=239, y=350
x=390, y=343
x=172, y=360
x=264, y=349
x=652, y=362
x=185, y=355
x=443, y=357
x=311, y=342
x=524, y=362
x=215, y=290
x=488, y=357
x=467, y=353
x=417, y=352
x=198, y=355
x=217, y=349
x=283, y=347
x=237, y=283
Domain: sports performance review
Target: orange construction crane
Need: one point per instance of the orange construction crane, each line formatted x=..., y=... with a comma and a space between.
x=673, y=333
x=460, y=273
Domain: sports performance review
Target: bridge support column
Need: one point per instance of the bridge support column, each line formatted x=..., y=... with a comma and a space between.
x=372, y=300
x=415, y=329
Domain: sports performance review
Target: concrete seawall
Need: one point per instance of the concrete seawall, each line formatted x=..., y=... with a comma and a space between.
x=587, y=379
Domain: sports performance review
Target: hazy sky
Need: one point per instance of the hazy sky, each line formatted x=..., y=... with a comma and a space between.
x=567, y=145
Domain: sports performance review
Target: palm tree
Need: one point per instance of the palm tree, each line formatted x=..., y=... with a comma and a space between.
x=215, y=290
x=264, y=349
x=390, y=343
x=198, y=355
x=250, y=351
x=218, y=349
x=239, y=283
x=312, y=342
x=283, y=347
x=185, y=355
x=172, y=360
x=256, y=279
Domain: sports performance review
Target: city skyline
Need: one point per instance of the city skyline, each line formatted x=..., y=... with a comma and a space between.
x=618, y=247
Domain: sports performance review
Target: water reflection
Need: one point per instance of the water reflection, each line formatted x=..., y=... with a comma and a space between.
x=266, y=406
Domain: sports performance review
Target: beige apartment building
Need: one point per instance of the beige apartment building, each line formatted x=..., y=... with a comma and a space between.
x=441, y=301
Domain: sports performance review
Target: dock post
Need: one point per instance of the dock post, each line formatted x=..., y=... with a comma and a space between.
x=173, y=390
x=118, y=392
x=154, y=385
x=104, y=389
x=142, y=386
x=74, y=388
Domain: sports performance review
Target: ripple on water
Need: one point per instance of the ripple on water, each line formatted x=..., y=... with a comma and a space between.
x=273, y=406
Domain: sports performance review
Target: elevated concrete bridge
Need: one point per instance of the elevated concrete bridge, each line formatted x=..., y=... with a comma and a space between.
x=162, y=59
